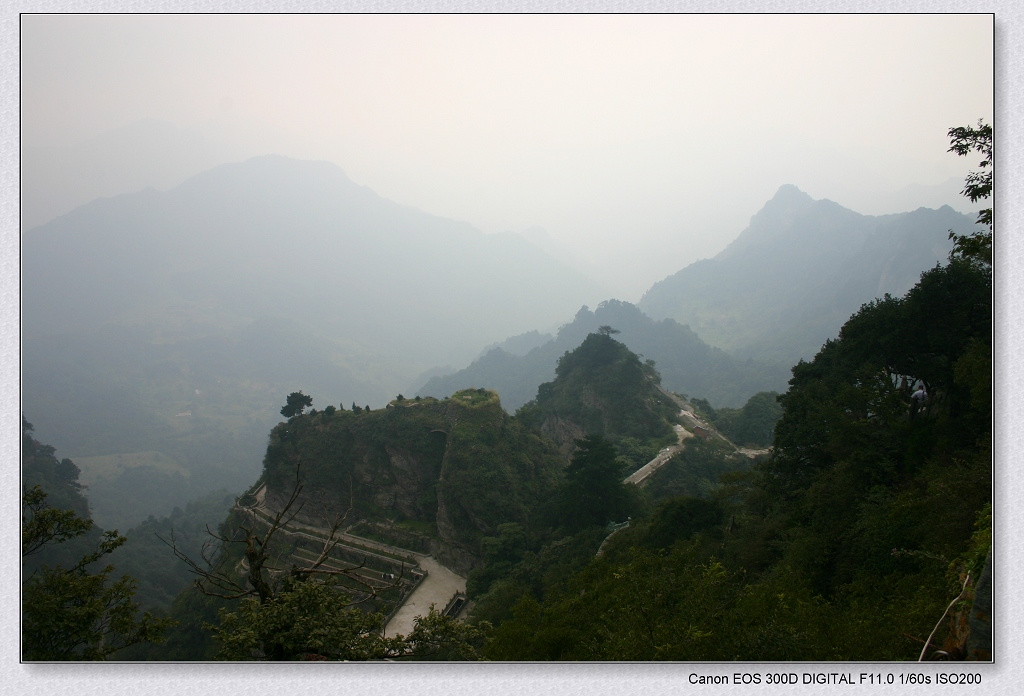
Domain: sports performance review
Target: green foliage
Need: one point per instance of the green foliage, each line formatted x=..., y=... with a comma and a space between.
x=74, y=614
x=188, y=640
x=48, y=525
x=70, y=612
x=847, y=544
x=439, y=637
x=463, y=459
x=592, y=493
x=602, y=388
x=146, y=557
x=544, y=567
x=54, y=511
x=634, y=453
x=678, y=519
x=696, y=471
x=495, y=470
x=311, y=619
x=978, y=186
x=612, y=373
x=753, y=425
x=648, y=607
x=500, y=554
x=297, y=403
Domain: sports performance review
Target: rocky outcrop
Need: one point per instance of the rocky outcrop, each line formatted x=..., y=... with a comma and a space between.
x=439, y=474
x=563, y=432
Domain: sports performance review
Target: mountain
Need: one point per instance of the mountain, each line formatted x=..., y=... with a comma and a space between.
x=686, y=364
x=56, y=179
x=799, y=270
x=274, y=236
x=425, y=474
x=865, y=536
x=168, y=326
x=602, y=388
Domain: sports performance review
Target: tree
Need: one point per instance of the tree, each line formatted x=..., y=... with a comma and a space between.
x=977, y=186
x=263, y=578
x=73, y=614
x=292, y=609
x=46, y=524
x=297, y=403
x=313, y=621
x=593, y=492
x=607, y=330
x=303, y=620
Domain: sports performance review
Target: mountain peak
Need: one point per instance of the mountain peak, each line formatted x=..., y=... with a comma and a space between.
x=788, y=193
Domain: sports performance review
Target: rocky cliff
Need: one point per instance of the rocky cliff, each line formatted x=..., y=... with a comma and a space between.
x=431, y=474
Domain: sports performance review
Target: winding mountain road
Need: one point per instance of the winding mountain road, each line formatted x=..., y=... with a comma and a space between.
x=438, y=587
x=695, y=423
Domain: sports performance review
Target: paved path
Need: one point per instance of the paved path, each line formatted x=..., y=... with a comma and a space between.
x=693, y=421
x=437, y=588
x=321, y=533
x=643, y=473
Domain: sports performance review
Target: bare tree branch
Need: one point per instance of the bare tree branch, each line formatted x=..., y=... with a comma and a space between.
x=262, y=559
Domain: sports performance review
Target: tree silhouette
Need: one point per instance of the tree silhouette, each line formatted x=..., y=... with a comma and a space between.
x=297, y=403
x=977, y=186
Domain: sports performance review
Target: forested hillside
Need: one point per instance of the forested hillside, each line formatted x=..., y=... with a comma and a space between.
x=427, y=474
x=602, y=388
x=74, y=607
x=58, y=479
x=848, y=543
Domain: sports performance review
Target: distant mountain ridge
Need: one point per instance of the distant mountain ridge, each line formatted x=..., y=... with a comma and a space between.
x=799, y=270
x=686, y=364
x=274, y=236
x=158, y=320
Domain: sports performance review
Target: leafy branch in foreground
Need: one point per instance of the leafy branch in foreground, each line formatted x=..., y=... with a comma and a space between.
x=977, y=186
x=73, y=614
x=46, y=524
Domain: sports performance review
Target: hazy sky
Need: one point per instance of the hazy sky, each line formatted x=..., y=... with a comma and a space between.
x=640, y=143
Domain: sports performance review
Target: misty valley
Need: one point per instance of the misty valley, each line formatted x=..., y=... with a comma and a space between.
x=269, y=414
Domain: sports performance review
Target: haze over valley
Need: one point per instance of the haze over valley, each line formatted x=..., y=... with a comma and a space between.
x=453, y=311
